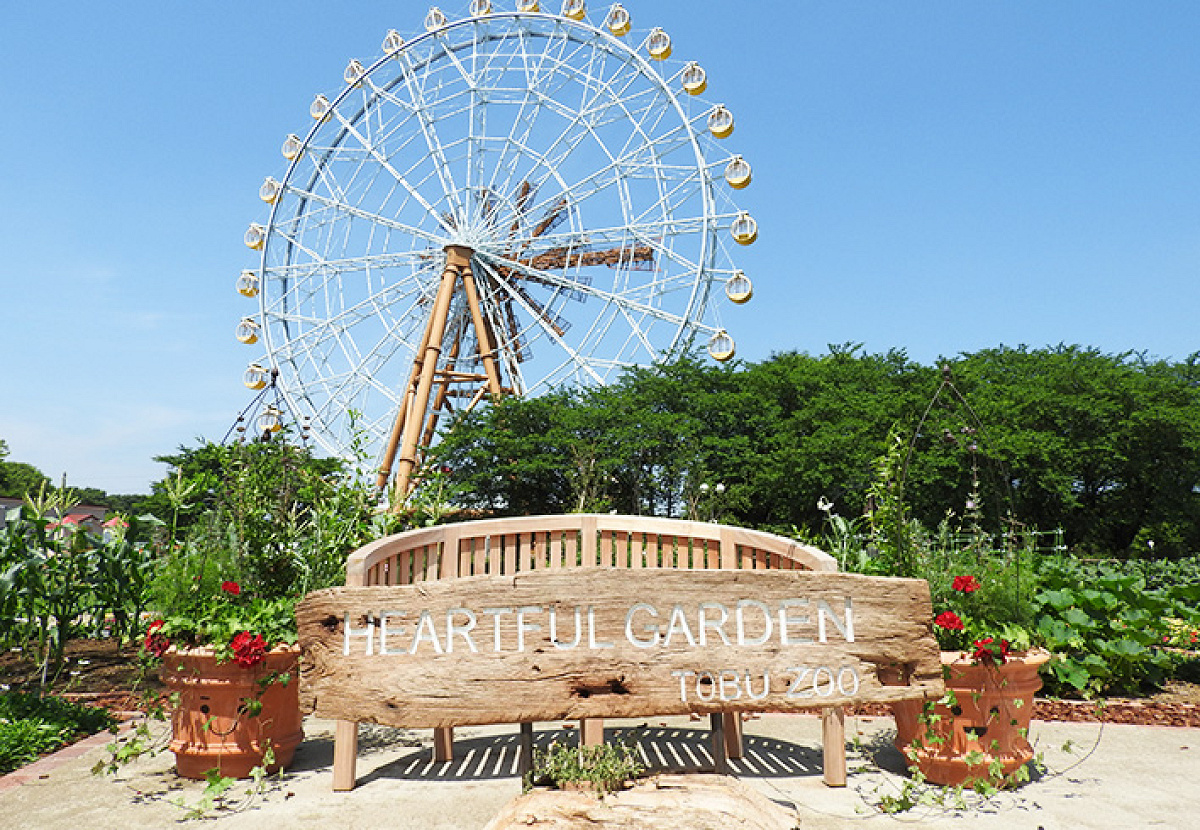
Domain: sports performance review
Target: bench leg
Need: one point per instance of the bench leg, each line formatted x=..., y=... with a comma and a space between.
x=443, y=744
x=732, y=723
x=833, y=734
x=525, y=759
x=718, y=738
x=345, y=755
x=591, y=731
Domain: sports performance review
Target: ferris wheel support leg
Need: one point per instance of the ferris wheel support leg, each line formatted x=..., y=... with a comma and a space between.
x=402, y=415
x=443, y=394
x=483, y=335
x=397, y=427
x=389, y=454
x=457, y=259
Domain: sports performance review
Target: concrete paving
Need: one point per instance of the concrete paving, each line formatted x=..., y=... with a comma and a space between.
x=1098, y=777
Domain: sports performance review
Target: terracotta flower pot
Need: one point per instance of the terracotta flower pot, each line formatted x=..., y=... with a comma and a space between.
x=989, y=721
x=210, y=728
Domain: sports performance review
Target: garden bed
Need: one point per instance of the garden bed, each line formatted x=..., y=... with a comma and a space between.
x=95, y=672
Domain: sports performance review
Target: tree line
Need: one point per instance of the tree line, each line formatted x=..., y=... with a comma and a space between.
x=19, y=479
x=1104, y=446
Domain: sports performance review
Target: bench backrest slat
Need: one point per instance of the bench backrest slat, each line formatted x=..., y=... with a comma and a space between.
x=507, y=546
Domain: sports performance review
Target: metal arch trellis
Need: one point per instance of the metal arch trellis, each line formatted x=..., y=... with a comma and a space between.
x=268, y=414
x=507, y=203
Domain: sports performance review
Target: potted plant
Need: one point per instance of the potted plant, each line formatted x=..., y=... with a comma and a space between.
x=249, y=534
x=231, y=666
x=976, y=734
x=244, y=531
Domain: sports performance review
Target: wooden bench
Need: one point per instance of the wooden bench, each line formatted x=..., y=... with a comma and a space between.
x=500, y=547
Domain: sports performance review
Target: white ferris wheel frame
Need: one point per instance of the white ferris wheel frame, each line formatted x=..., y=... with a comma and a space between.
x=313, y=305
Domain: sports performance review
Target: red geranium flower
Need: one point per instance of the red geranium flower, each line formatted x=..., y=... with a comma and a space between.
x=950, y=620
x=966, y=584
x=248, y=649
x=231, y=588
x=989, y=654
x=155, y=644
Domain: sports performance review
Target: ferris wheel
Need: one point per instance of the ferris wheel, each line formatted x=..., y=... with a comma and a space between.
x=509, y=202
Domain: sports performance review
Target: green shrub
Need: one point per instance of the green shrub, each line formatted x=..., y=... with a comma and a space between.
x=1107, y=628
x=1164, y=573
x=31, y=726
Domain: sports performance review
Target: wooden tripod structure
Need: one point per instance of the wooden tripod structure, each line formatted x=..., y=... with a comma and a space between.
x=416, y=421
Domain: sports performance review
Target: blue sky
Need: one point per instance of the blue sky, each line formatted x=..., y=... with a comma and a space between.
x=940, y=177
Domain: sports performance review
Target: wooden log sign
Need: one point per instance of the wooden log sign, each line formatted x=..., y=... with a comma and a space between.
x=599, y=642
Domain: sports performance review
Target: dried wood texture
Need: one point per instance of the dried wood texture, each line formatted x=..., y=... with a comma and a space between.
x=613, y=642
x=666, y=802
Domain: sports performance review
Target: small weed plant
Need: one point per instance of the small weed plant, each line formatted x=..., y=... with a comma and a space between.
x=604, y=768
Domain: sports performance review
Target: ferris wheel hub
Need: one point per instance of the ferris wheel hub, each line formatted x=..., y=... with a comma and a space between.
x=471, y=236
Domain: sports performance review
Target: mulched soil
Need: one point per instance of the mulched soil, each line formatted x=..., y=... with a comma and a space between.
x=103, y=673
x=95, y=672
x=1174, y=707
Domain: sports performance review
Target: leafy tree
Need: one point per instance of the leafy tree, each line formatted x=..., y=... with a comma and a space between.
x=18, y=478
x=1106, y=447
x=827, y=421
x=131, y=504
x=90, y=495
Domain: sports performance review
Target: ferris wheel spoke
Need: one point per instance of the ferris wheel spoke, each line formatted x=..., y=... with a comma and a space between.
x=587, y=116
x=309, y=285
x=432, y=143
x=618, y=168
x=575, y=118
x=637, y=334
x=673, y=199
x=338, y=150
x=512, y=148
x=605, y=98
x=523, y=122
x=633, y=159
x=662, y=205
x=318, y=342
x=519, y=297
x=364, y=263
x=293, y=239
x=624, y=104
x=416, y=109
x=361, y=369
x=497, y=265
x=452, y=56
x=331, y=395
x=372, y=217
x=317, y=325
